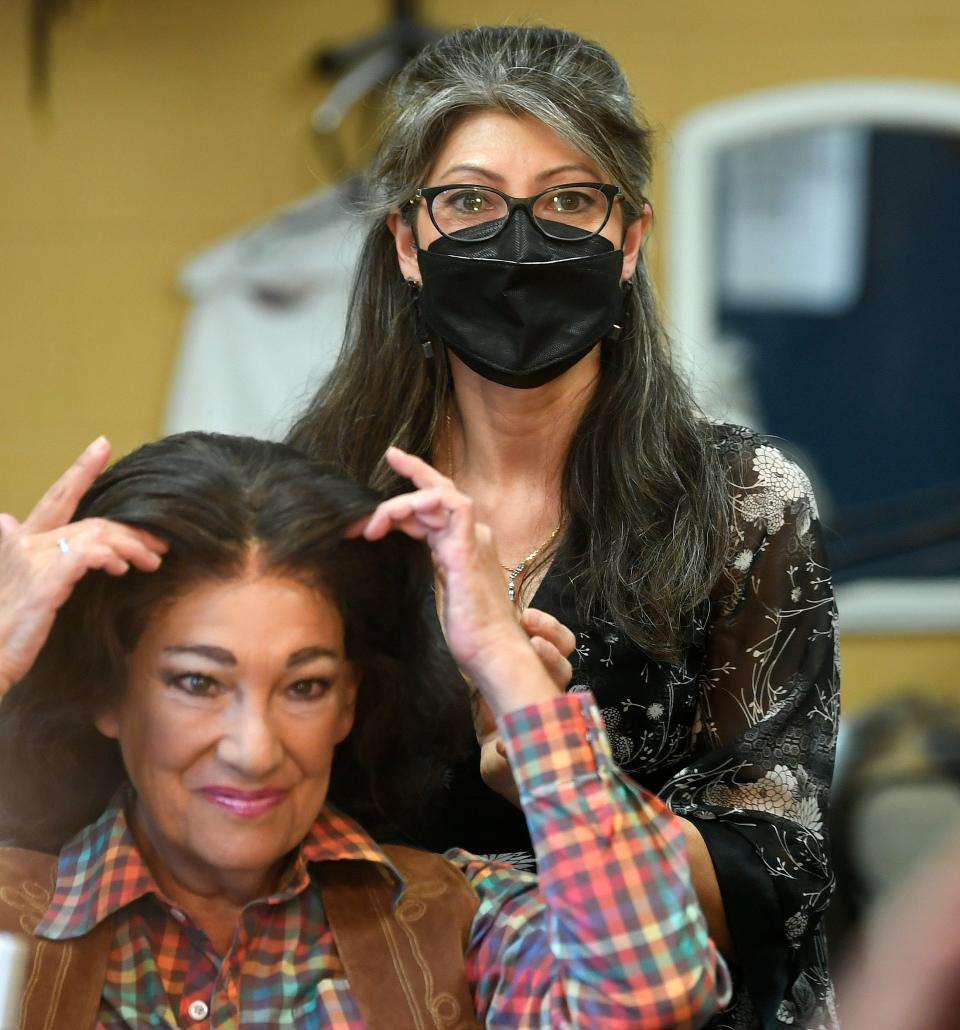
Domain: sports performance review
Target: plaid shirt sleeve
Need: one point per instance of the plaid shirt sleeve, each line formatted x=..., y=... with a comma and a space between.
x=611, y=935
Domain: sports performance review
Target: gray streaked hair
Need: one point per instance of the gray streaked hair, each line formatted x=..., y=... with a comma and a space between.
x=571, y=85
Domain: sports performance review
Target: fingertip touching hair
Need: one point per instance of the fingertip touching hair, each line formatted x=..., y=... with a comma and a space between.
x=216, y=499
x=644, y=494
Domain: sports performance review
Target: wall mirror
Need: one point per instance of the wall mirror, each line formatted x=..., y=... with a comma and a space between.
x=814, y=293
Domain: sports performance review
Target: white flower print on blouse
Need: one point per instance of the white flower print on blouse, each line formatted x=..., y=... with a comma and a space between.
x=780, y=485
x=621, y=745
x=518, y=859
x=778, y=792
x=743, y=560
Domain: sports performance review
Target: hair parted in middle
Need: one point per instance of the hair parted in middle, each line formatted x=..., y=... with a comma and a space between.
x=227, y=505
x=644, y=496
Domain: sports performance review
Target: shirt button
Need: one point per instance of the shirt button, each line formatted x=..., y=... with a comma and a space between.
x=198, y=1010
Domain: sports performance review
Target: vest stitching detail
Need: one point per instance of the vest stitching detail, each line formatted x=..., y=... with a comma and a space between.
x=392, y=944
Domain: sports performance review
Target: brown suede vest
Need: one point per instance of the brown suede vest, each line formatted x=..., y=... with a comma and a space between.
x=405, y=966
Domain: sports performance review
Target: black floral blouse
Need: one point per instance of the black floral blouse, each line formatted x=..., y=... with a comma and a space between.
x=738, y=736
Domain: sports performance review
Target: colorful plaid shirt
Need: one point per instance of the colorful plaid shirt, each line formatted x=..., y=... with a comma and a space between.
x=609, y=936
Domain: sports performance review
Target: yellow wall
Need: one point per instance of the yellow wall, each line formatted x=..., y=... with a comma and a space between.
x=878, y=668
x=172, y=123
x=169, y=124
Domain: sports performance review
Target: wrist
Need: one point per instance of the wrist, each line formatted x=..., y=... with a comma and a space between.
x=511, y=677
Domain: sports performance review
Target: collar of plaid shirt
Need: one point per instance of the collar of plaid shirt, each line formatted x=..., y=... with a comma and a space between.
x=101, y=870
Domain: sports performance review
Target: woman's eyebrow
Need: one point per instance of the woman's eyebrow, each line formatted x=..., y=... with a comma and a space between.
x=222, y=656
x=308, y=654
x=479, y=170
x=552, y=173
x=216, y=654
x=549, y=173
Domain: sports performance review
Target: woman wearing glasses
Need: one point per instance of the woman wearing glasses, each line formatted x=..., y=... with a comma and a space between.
x=503, y=328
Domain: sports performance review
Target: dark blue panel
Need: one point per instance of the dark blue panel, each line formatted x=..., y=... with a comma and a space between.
x=872, y=395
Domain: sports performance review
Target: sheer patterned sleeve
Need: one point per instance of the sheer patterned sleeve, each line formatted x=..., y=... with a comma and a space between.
x=766, y=732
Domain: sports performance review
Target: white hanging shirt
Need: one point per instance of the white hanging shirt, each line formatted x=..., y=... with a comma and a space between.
x=267, y=317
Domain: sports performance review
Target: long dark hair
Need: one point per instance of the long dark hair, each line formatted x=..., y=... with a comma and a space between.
x=643, y=494
x=212, y=497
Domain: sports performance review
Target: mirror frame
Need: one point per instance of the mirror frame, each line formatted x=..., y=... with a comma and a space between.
x=869, y=605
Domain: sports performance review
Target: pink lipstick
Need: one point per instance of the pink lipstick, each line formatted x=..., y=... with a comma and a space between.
x=247, y=804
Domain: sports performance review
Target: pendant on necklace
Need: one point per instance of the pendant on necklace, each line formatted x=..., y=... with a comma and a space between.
x=517, y=569
x=512, y=578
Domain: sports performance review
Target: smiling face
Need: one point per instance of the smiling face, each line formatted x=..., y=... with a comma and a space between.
x=237, y=694
x=520, y=156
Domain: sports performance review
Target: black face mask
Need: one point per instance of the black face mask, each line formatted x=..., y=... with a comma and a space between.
x=521, y=308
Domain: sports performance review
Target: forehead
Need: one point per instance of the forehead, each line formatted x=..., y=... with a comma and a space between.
x=254, y=612
x=506, y=146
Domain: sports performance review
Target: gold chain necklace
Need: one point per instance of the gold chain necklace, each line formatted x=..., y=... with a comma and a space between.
x=517, y=570
x=520, y=566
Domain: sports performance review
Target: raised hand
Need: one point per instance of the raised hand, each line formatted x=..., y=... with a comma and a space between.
x=481, y=627
x=42, y=559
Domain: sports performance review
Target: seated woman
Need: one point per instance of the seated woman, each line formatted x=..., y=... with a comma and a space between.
x=260, y=647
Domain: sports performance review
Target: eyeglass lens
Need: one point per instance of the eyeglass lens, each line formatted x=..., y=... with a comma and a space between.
x=566, y=214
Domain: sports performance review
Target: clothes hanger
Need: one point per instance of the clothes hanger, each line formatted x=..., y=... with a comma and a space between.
x=43, y=14
x=367, y=64
x=363, y=67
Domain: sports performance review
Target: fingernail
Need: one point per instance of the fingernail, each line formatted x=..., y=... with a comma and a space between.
x=98, y=444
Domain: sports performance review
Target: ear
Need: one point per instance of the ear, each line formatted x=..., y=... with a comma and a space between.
x=406, y=244
x=108, y=723
x=348, y=709
x=633, y=240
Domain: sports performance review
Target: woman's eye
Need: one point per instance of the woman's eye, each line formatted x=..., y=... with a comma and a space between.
x=568, y=203
x=195, y=684
x=468, y=203
x=309, y=690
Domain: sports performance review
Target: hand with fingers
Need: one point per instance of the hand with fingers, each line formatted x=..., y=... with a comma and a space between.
x=554, y=643
x=43, y=558
x=480, y=624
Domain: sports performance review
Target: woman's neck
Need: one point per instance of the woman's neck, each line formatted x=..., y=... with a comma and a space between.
x=500, y=438
x=214, y=899
x=507, y=449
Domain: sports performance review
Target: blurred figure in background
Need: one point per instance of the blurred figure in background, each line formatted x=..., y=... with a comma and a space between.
x=904, y=968
x=895, y=803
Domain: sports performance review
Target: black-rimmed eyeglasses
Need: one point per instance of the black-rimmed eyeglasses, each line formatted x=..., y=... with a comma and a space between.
x=573, y=211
